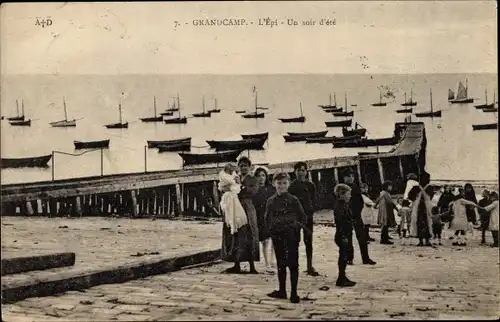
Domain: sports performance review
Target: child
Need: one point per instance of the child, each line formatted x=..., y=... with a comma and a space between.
x=437, y=224
x=483, y=214
x=285, y=217
x=398, y=218
x=367, y=214
x=459, y=222
x=492, y=208
x=405, y=214
x=343, y=231
x=234, y=214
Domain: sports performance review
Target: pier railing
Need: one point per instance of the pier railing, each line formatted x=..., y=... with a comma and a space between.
x=174, y=192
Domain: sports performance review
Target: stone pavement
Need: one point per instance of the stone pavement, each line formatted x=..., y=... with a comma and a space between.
x=408, y=282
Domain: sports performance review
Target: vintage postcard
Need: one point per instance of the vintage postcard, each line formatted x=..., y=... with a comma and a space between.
x=249, y=160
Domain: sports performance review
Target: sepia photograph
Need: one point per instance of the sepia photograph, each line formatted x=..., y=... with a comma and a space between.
x=249, y=160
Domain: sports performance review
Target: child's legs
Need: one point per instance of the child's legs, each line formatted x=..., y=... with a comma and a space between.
x=342, y=242
x=267, y=251
x=292, y=252
x=280, y=253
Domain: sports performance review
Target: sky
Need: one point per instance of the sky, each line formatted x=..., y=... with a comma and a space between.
x=140, y=38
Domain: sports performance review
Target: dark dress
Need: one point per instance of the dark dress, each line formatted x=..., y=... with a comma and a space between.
x=483, y=214
x=259, y=201
x=469, y=210
x=444, y=205
x=423, y=231
x=243, y=246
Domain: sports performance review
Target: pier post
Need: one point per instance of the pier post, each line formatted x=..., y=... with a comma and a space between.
x=29, y=208
x=401, y=168
x=336, y=175
x=358, y=168
x=78, y=205
x=179, y=199
x=134, y=202
x=380, y=170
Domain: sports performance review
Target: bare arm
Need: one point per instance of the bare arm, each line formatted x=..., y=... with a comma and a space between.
x=491, y=206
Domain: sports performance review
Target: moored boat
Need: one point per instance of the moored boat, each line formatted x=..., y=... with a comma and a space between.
x=21, y=123
x=410, y=102
x=430, y=113
x=490, y=126
x=330, y=105
x=297, y=137
x=405, y=110
x=256, y=114
x=332, y=139
x=462, y=94
x=189, y=158
x=300, y=119
x=380, y=103
x=65, y=122
x=154, y=118
x=451, y=95
x=120, y=124
x=19, y=117
x=244, y=144
x=486, y=105
x=490, y=110
x=215, y=109
x=179, y=119
x=29, y=162
x=203, y=113
x=351, y=113
x=310, y=134
x=175, y=147
x=364, y=142
x=167, y=113
x=338, y=123
x=332, y=109
x=104, y=144
x=357, y=131
x=255, y=136
x=155, y=144
x=240, y=112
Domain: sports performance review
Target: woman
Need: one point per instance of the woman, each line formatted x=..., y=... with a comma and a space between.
x=245, y=247
x=421, y=214
x=386, y=208
x=460, y=221
x=264, y=191
x=493, y=224
x=470, y=195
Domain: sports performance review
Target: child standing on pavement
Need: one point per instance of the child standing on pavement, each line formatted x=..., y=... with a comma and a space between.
x=405, y=214
x=285, y=218
x=343, y=231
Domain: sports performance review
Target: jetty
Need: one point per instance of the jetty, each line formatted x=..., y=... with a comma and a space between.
x=173, y=192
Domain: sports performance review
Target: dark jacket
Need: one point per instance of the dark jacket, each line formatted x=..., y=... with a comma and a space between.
x=343, y=218
x=356, y=203
x=305, y=191
x=284, y=213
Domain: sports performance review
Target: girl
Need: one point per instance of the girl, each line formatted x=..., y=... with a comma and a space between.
x=460, y=223
x=386, y=208
x=367, y=214
x=234, y=214
x=470, y=195
x=405, y=214
x=264, y=192
x=493, y=210
x=484, y=215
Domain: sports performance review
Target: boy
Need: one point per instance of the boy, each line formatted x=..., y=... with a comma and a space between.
x=343, y=231
x=305, y=191
x=285, y=217
x=437, y=224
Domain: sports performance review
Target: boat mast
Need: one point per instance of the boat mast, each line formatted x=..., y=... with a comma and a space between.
x=22, y=105
x=154, y=104
x=120, y=111
x=17, y=107
x=65, y=111
x=334, y=99
x=380, y=96
x=179, y=105
x=203, y=103
x=411, y=95
x=405, y=97
x=255, y=101
x=330, y=104
x=345, y=101
x=430, y=90
x=301, y=114
x=486, y=96
x=466, y=88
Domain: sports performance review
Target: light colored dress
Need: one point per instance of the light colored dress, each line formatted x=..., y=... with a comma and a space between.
x=459, y=221
x=493, y=209
x=368, y=214
x=234, y=214
x=386, y=208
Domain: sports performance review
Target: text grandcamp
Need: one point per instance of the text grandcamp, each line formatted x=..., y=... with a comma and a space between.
x=219, y=22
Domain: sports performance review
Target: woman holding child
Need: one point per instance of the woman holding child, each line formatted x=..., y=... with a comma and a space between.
x=241, y=245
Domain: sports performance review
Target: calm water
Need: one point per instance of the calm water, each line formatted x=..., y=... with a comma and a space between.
x=454, y=150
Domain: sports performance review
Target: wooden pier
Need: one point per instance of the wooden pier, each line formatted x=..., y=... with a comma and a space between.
x=175, y=192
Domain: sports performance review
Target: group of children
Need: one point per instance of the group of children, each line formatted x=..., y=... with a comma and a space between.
x=289, y=211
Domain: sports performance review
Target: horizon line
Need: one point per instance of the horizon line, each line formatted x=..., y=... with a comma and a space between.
x=239, y=74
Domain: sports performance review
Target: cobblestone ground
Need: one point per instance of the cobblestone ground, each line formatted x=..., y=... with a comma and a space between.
x=408, y=282
x=99, y=242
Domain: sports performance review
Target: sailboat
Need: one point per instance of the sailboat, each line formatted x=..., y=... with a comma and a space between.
x=451, y=95
x=462, y=94
x=330, y=103
x=256, y=114
x=167, y=111
x=179, y=119
x=65, y=122
x=344, y=113
x=154, y=118
x=19, y=117
x=431, y=113
x=486, y=105
x=22, y=122
x=380, y=103
x=300, y=119
x=119, y=125
x=203, y=114
x=410, y=102
x=215, y=109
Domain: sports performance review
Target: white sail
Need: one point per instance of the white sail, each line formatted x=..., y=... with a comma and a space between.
x=461, y=92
